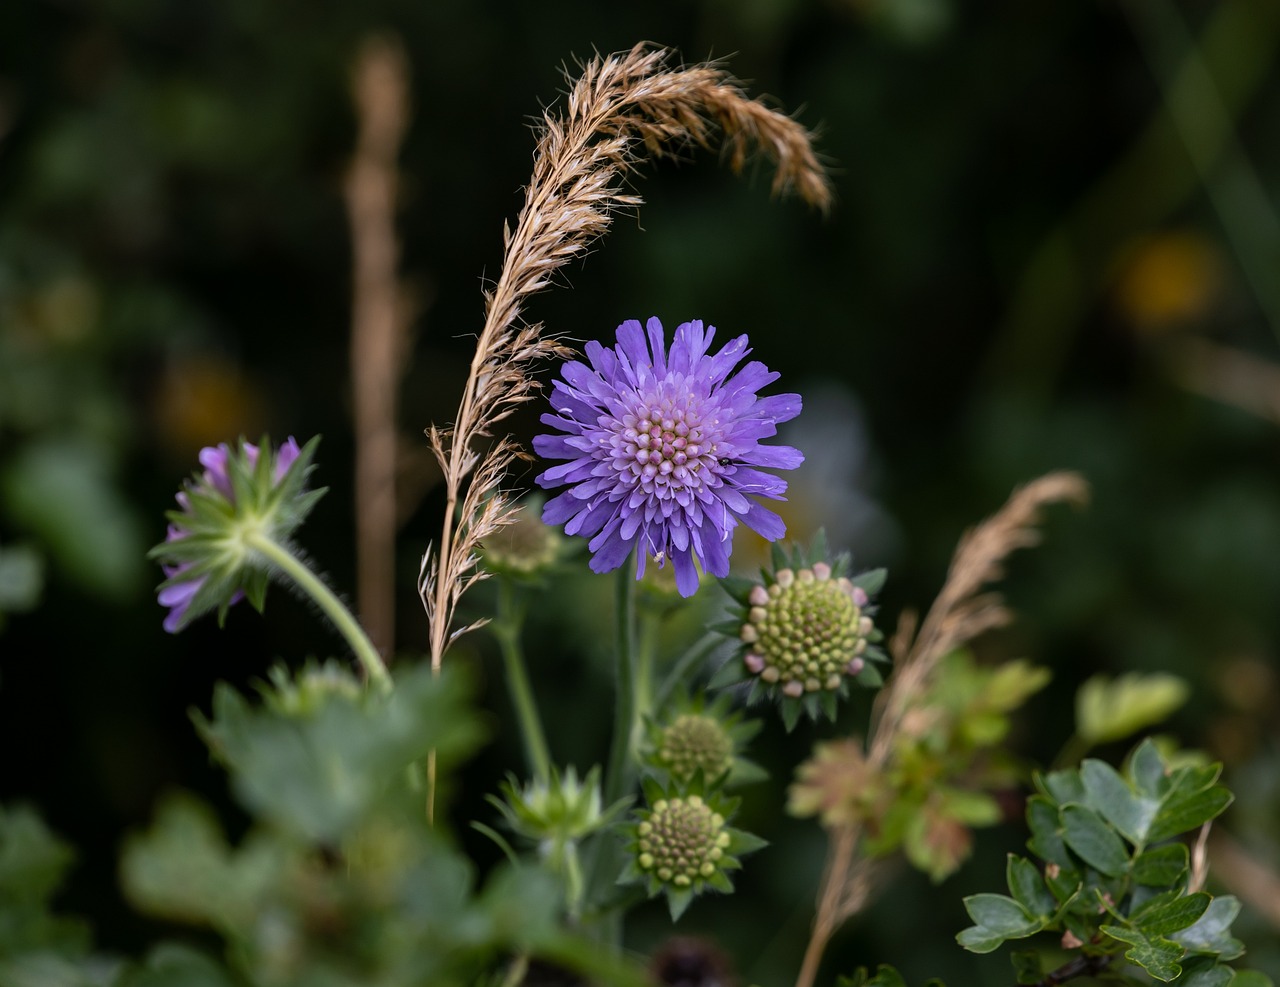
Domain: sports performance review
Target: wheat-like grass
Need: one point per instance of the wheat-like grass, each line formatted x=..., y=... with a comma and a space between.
x=959, y=614
x=619, y=109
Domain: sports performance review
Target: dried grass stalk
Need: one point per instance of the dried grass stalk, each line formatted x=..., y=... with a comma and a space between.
x=619, y=110
x=378, y=323
x=959, y=614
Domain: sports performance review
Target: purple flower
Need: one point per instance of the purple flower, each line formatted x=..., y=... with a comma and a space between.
x=195, y=551
x=663, y=450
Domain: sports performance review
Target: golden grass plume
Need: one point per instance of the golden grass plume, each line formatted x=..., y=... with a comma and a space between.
x=619, y=110
x=961, y=611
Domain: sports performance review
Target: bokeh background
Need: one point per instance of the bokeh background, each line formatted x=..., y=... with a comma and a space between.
x=1055, y=245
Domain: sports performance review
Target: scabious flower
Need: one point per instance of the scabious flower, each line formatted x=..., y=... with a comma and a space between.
x=663, y=451
x=694, y=739
x=208, y=556
x=681, y=844
x=805, y=630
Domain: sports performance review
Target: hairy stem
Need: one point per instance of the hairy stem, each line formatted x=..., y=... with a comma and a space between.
x=314, y=587
x=506, y=628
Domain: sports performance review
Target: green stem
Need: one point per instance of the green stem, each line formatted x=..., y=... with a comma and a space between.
x=685, y=664
x=620, y=773
x=314, y=587
x=506, y=628
x=603, y=861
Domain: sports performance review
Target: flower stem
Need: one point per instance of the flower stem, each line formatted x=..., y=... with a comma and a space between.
x=603, y=860
x=618, y=777
x=311, y=584
x=684, y=665
x=506, y=628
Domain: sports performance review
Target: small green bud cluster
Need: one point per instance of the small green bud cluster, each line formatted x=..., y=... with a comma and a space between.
x=681, y=840
x=526, y=546
x=806, y=631
x=695, y=742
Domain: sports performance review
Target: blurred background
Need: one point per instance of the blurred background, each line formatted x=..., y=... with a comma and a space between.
x=1055, y=244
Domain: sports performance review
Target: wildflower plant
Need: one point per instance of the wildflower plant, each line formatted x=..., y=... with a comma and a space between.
x=659, y=449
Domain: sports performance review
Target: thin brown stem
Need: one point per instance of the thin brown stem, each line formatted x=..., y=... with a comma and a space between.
x=380, y=88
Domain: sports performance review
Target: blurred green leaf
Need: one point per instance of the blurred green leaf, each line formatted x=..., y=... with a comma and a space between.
x=184, y=869
x=174, y=965
x=62, y=491
x=322, y=770
x=1108, y=710
x=21, y=578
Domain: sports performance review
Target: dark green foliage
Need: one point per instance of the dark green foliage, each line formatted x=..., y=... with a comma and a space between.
x=1110, y=883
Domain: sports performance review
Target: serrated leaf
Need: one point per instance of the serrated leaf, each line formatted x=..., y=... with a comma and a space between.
x=1159, y=957
x=1110, y=795
x=1093, y=841
x=1211, y=933
x=1161, y=866
x=1028, y=887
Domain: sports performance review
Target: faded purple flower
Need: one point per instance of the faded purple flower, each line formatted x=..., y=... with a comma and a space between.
x=664, y=450
x=191, y=525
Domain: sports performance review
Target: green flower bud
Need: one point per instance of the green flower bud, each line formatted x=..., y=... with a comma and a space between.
x=805, y=631
x=682, y=845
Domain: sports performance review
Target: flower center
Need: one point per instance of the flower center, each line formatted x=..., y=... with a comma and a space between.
x=805, y=631
x=696, y=742
x=664, y=446
x=682, y=840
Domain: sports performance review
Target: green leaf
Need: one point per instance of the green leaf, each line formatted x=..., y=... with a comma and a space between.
x=1096, y=843
x=1110, y=795
x=174, y=965
x=1204, y=972
x=184, y=870
x=1159, y=957
x=64, y=491
x=1148, y=771
x=1063, y=786
x=997, y=918
x=1251, y=978
x=1028, y=887
x=1186, y=812
x=1211, y=933
x=1169, y=913
x=320, y=771
x=1111, y=710
x=1046, y=832
x=1161, y=866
